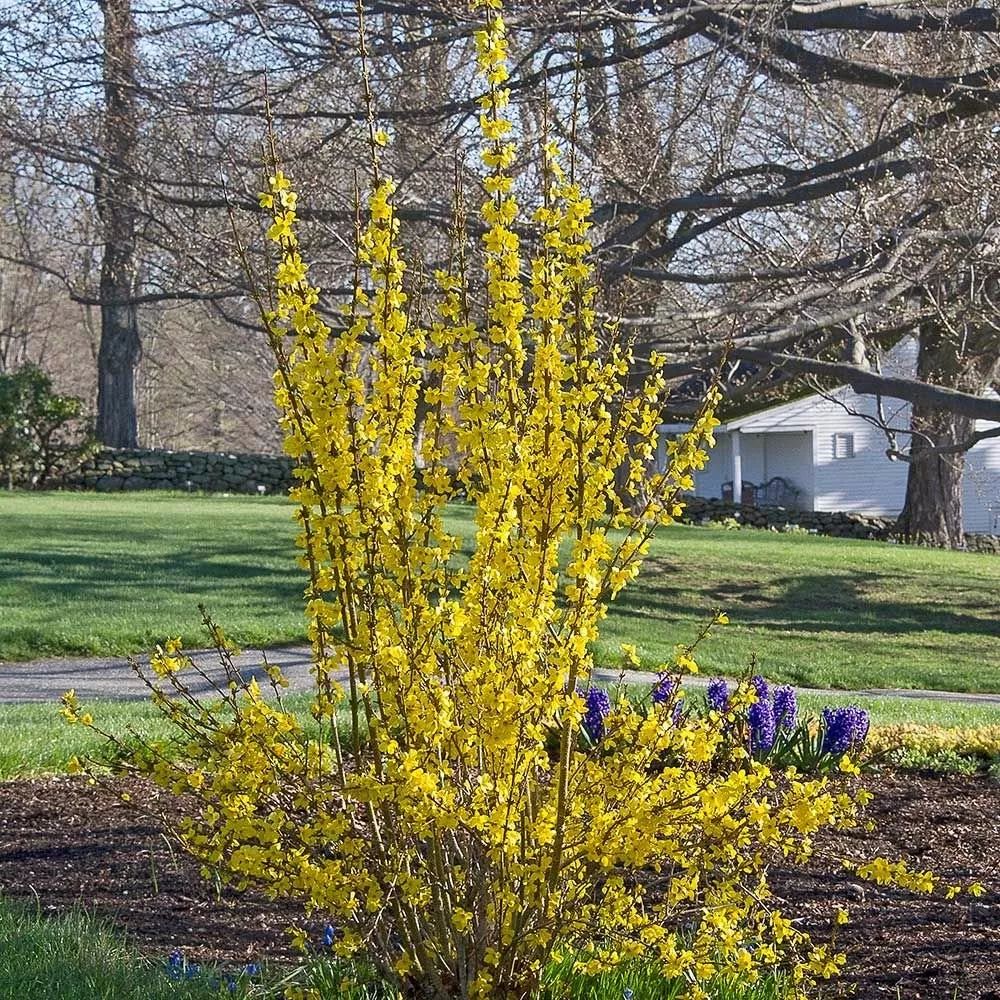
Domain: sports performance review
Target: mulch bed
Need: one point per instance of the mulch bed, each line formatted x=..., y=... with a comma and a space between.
x=66, y=843
x=900, y=945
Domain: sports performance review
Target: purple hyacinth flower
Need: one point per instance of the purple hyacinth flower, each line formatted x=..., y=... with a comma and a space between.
x=836, y=731
x=598, y=706
x=717, y=694
x=663, y=689
x=844, y=728
x=761, y=719
x=175, y=965
x=785, y=707
x=862, y=723
x=761, y=687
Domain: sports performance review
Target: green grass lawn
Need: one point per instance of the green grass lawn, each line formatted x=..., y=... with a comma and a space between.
x=821, y=612
x=34, y=739
x=113, y=574
x=75, y=957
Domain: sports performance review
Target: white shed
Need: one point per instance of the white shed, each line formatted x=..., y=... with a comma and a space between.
x=832, y=459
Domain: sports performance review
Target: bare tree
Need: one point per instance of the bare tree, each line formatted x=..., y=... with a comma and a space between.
x=774, y=183
x=115, y=180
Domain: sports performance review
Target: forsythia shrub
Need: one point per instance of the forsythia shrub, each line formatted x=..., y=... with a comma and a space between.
x=461, y=832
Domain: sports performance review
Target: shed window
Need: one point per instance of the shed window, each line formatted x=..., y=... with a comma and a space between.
x=843, y=446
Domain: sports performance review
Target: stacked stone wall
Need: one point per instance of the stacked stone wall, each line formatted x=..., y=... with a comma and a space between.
x=839, y=524
x=112, y=470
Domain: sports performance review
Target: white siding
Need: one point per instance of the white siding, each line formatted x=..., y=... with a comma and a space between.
x=796, y=441
x=867, y=482
x=981, y=486
x=719, y=470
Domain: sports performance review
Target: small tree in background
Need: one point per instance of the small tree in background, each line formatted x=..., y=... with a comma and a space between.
x=42, y=434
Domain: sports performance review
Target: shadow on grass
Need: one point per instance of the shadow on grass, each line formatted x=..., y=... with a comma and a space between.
x=114, y=576
x=821, y=602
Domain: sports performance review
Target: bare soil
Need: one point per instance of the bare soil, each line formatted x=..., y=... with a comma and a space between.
x=66, y=843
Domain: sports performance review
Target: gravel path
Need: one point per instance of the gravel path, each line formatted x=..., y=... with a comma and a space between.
x=96, y=678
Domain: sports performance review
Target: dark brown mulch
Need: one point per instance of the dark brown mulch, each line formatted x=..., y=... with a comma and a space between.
x=900, y=945
x=68, y=843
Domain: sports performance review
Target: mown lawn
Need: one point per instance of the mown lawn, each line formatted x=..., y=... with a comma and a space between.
x=113, y=574
x=821, y=612
x=102, y=574
x=35, y=740
x=76, y=957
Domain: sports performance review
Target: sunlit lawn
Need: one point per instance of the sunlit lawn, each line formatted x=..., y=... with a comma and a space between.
x=113, y=574
x=77, y=957
x=34, y=739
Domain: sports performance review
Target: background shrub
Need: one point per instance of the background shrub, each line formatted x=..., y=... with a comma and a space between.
x=42, y=433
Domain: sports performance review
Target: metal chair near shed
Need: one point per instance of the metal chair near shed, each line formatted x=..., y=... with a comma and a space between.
x=776, y=492
x=779, y=492
x=748, y=493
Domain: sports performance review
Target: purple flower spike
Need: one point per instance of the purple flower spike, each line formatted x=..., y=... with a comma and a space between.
x=717, y=694
x=663, y=689
x=598, y=706
x=761, y=719
x=862, y=723
x=175, y=965
x=836, y=731
x=785, y=707
x=761, y=687
x=844, y=728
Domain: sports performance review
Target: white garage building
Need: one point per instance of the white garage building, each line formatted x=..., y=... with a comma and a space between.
x=820, y=453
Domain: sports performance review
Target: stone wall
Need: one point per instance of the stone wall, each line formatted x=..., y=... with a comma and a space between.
x=200, y=471
x=700, y=510
x=110, y=470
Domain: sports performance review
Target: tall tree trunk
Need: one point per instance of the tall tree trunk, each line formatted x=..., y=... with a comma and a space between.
x=932, y=512
x=115, y=187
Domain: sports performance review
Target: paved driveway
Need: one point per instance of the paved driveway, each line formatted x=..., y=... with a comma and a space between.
x=113, y=679
x=96, y=678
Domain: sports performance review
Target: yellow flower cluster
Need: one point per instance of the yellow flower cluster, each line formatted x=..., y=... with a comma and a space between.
x=168, y=658
x=458, y=830
x=982, y=741
x=899, y=873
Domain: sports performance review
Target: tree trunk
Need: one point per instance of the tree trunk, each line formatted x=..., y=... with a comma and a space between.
x=115, y=186
x=932, y=511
